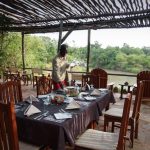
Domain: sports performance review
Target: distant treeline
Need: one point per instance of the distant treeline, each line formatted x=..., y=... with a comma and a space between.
x=39, y=52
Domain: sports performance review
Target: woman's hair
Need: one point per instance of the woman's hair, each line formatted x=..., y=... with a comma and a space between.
x=63, y=50
x=63, y=46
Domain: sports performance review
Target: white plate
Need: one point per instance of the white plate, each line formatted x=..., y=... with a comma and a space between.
x=83, y=93
x=103, y=89
x=69, y=87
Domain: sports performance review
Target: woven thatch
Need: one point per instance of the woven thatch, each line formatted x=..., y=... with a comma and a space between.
x=45, y=15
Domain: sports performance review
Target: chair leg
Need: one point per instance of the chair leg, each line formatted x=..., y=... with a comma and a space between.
x=112, y=127
x=132, y=133
x=136, y=127
x=92, y=125
x=105, y=124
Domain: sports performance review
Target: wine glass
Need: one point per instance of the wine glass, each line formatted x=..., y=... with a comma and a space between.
x=46, y=102
x=92, y=87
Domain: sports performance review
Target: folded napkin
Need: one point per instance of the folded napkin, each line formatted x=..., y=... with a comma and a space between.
x=62, y=115
x=90, y=98
x=31, y=110
x=103, y=89
x=73, y=105
x=95, y=92
x=43, y=96
x=30, y=99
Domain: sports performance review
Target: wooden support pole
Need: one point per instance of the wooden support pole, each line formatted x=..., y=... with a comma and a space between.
x=23, y=52
x=88, y=49
x=60, y=35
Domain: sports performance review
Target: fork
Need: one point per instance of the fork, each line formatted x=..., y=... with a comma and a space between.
x=42, y=115
x=62, y=111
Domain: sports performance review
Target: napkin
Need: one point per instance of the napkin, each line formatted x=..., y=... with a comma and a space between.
x=73, y=105
x=95, y=92
x=31, y=110
x=62, y=115
x=31, y=98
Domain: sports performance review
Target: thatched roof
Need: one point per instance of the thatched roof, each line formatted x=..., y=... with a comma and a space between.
x=45, y=15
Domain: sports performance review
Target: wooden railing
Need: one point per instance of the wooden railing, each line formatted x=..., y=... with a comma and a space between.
x=120, y=78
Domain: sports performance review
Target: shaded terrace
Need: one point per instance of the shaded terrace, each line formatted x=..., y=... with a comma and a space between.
x=59, y=15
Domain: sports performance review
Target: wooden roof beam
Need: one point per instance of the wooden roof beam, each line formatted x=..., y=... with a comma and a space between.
x=68, y=33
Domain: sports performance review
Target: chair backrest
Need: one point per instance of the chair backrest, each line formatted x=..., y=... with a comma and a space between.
x=36, y=71
x=8, y=127
x=138, y=98
x=101, y=76
x=146, y=91
x=124, y=122
x=12, y=74
x=44, y=85
x=11, y=90
x=144, y=75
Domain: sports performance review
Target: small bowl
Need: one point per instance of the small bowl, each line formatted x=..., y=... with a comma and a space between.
x=58, y=99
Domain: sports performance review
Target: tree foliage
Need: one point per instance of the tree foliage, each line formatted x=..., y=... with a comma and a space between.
x=40, y=50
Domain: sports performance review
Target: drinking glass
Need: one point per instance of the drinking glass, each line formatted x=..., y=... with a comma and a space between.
x=46, y=102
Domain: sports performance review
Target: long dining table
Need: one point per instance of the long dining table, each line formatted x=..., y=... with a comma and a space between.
x=57, y=132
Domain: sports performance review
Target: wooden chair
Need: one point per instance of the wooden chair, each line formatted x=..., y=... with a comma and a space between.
x=36, y=73
x=26, y=77
x=145, y=75
x=102, y=77
x=114, y=115
x=11, y=73
x=44, y=85
x=8, y=129
x=102, y=74
x=5, y=74
x=98, y=140
x=11, y=90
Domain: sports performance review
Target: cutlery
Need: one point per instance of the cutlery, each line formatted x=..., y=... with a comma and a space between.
x=63, y=110
x=42, y=115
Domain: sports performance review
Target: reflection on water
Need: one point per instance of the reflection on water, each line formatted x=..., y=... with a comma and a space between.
x=111, y=78
x=120, y=79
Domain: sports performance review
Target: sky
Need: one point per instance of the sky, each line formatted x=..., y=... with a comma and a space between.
x=138, y=37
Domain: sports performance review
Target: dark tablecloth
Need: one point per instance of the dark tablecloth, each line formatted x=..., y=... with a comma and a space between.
x=56, y=133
